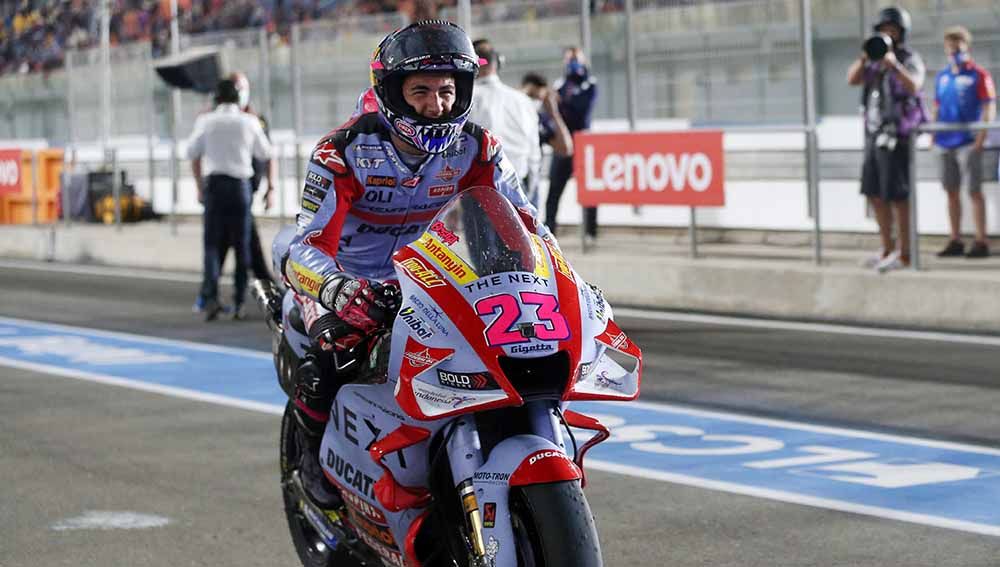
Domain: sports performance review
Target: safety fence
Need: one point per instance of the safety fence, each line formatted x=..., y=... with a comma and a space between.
x=771, y=67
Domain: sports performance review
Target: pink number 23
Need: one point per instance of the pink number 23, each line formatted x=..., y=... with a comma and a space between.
x=501, y=330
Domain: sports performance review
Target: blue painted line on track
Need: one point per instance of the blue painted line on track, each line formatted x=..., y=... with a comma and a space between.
x=932, y=482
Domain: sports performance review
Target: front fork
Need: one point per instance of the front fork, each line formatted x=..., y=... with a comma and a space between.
x=466, y=459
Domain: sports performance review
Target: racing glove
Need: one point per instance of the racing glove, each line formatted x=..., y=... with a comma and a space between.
x=360, y=303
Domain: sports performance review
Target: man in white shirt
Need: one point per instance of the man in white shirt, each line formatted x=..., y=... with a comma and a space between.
x=509, y=115
x=221, y=149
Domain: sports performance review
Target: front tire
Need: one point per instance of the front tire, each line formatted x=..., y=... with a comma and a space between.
x=309, y=545
x=553, y=526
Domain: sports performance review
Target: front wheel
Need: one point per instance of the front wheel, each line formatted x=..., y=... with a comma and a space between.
x=553, y=526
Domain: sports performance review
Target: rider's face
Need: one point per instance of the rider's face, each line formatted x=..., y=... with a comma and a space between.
x=430, y=94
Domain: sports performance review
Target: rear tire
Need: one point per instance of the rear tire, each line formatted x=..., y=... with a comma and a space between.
x=553, y=526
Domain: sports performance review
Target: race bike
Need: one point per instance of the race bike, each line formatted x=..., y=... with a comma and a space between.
x=453, y=445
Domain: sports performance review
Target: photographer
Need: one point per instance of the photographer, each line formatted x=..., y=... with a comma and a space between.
x=892, y=76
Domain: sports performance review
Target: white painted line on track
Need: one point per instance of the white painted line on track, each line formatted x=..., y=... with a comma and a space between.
x=183, y=393
x=780, y=325
x=107, y=520
x=793, y=498
x=138, y=338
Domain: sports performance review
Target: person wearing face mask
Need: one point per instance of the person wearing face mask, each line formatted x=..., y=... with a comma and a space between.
x=964, y=92
x=893, y=109
x=577, y=93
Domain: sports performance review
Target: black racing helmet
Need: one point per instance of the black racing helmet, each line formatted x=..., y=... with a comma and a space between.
x=894, y=15
x=428, y=46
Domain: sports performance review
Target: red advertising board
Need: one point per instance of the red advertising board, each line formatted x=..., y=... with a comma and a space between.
x=10, y=172
x=650, y=168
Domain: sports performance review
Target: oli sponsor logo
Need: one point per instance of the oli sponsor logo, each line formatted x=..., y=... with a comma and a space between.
x=467, y=380
x=421, y=273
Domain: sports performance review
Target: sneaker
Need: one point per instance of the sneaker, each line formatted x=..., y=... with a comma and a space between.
x=954, y=248
x=199, y=305
x=891, y=262
x=872, y=261
x=318, y=488
x=212, y=310
x=979, y=250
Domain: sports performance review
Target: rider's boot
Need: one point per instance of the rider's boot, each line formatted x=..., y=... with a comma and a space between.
x=313, y=397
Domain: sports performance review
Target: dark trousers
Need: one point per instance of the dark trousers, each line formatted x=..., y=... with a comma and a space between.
x=227, y=221
x=559, y=174
x=258, y=264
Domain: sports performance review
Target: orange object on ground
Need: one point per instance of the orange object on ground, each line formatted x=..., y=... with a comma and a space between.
x=17, y=186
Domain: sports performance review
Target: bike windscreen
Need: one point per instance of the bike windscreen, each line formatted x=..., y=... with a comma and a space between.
x=484, y=230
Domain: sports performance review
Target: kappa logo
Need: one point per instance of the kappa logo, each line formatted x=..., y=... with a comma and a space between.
x=440, y=190
x=448, y=173
x=424, y=275
x=420, y=359
x=327, y=156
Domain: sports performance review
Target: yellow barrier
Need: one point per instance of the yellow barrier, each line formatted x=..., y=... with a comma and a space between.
x=16, y=185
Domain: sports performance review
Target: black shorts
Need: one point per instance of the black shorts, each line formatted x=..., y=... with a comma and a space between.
x=886, y=173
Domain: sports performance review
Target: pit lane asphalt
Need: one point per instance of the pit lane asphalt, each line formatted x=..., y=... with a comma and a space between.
x=69, y=446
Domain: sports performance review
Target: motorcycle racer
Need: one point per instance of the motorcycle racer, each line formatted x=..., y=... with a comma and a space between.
x=371, y=187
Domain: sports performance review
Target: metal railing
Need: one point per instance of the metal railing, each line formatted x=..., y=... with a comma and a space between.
x=931, y=128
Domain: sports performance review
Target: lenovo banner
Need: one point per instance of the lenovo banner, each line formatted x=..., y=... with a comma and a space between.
x=10, y=172
x=649, y=168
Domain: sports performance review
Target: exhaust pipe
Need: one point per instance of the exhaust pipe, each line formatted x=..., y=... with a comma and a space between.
x=269, y=300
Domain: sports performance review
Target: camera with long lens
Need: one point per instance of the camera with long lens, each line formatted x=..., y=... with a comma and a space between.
x=877, y=46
